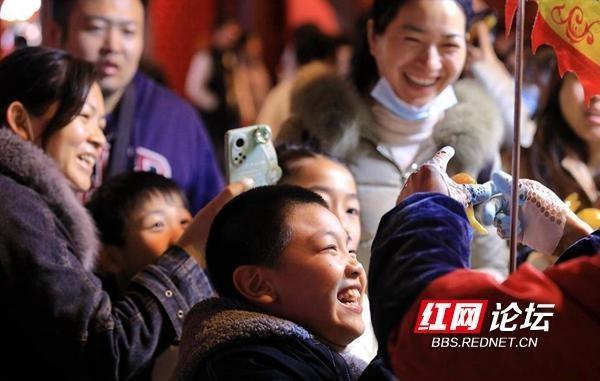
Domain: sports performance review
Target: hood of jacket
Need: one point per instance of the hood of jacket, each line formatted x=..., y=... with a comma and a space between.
x=217, y=322
x=31, y=167
x=325, y=108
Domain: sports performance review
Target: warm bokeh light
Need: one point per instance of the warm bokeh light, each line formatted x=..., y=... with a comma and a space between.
x=19, y=10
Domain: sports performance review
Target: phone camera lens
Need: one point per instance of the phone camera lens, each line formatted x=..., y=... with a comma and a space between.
x=262, y=134
x=239, y=142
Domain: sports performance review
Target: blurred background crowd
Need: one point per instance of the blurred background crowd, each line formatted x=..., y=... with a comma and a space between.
x=253, y=45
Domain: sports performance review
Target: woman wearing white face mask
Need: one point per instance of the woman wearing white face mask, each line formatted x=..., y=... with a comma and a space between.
x=416, y=53
x=55, y=313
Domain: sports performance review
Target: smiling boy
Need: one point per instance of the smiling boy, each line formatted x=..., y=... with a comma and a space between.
x=290, y=289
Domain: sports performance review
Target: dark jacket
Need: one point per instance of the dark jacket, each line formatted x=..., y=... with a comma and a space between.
x=57, y=322
x=421, y=252
x=224, y=339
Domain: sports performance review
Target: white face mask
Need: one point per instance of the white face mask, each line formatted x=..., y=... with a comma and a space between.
x=384, y=94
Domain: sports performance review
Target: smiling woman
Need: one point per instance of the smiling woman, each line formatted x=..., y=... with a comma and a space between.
x=422, y=50
x=51, y=135
x=61, y=111
x=77, y=146
x=408, y=70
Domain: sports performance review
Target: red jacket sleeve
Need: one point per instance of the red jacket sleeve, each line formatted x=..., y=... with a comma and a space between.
x=569, y=350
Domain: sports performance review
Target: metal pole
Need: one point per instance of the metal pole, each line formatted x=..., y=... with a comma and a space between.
x=516, y=148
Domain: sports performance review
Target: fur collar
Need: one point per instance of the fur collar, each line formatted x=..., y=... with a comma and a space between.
x=31, y=167
x=473, y=127
x=325, y=108
x=220, y=321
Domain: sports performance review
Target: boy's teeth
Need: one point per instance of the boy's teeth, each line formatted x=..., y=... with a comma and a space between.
x=349, y=296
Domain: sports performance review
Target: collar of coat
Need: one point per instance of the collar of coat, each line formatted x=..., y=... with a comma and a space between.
x=218, y=321
x=473, y=127
x=31, y=167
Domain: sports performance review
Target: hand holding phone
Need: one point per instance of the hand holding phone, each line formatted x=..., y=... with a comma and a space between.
x=250, y=154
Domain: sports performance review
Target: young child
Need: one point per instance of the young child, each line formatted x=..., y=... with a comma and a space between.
x=291, y=293
x=139, y=215
x=307, y=167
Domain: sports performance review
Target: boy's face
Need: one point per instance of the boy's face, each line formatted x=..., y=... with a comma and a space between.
x=152, y=228
x=318, y=282
x=109, y=33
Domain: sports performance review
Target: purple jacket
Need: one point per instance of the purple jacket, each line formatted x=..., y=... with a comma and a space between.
x=167, y=137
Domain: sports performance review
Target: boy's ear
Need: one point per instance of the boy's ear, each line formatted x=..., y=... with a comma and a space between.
x=110, y=259
x=254, y=284
x=18, y=121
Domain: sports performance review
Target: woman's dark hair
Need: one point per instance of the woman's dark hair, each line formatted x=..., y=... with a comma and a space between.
x=553, y=139
x=252, y=229
x=40, y=77
x=112, y=203
x=312, y=44
x=364, y=69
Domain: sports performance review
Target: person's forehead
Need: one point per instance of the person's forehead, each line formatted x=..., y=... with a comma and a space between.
x=311, y=219
x=326, y=174
x=319, y=166
x=119, y=9
x=431, y=10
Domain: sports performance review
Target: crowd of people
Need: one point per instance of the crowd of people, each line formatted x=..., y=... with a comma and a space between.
x=125, y=256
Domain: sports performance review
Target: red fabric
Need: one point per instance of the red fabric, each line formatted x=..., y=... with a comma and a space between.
x=318, y=12
x=509, y=14
x=569, y=58
x=570, y=350
x=176, y=27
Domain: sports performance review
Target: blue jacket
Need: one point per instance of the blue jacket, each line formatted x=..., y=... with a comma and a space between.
x=168, y=137
x=57, y=323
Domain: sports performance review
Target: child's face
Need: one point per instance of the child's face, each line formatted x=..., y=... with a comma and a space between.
x=151, y=228
x=335, y=184
x=318, y=282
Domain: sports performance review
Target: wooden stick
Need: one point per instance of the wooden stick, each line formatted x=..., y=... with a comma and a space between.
x=516, y=148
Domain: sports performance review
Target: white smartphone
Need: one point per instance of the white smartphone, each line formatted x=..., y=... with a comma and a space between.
x=250, y=153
